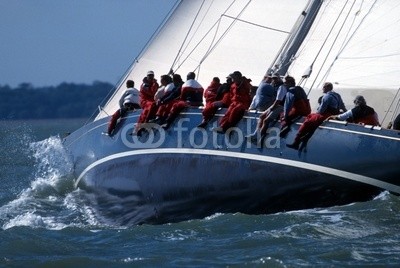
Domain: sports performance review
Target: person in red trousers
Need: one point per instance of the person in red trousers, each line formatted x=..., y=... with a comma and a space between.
x=210, y=93
x=222, y=100
x=148, y=89
x=129, y=101
x=169, y=95
x=191, y=96
x=296, y=105
x=331, y=104
x=240, y=102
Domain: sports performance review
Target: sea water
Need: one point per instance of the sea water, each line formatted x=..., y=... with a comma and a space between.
x=46, y=222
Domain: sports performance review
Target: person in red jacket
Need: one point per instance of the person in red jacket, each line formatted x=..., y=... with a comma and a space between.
x=222, y=100
x=191, y=96
x=148, y=88
x=241, y=100
x=210, y=94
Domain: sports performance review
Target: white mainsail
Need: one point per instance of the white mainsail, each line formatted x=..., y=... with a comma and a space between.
x=353, y=44
x=215, y=38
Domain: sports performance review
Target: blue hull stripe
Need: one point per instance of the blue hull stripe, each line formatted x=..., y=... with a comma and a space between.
x=331, y=171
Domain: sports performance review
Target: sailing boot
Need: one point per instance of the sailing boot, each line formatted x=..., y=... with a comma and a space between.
x=253, y=136
x=296, y=144
x=168, y=122
x=203, y=123
x=137, y=131
x=154, y=120
x=284, y=131
x=261, y=141
x=159, y=120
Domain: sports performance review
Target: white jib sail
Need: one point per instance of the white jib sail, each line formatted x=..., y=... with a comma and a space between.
x=215, y=38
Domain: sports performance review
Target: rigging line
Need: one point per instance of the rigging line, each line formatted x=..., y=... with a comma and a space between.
x=158, y=30
x=320, y=19
x=344, y=44
x=383, y=27
x=275, y=63
x=348, y=41
x=351, y=26
x=305, y=44
x=112, y=92
x=121, y=80
x=99, y=108
x=210, y=46
x=190, y=28
x=258, y=25
x=326, y=39
x=396, y=110
x=224, y=34
x=213, y=39
x=370, y=57
x=194, y=33
x=395, y=97
x=332, y=45
x=205, y=35
x=292, y=35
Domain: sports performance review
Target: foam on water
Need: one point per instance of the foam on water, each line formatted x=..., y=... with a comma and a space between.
x=50, y=201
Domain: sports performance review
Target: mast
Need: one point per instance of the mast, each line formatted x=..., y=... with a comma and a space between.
x=296, y=38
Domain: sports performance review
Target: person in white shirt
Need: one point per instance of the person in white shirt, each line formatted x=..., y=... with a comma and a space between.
x=131, y=95
x=129, y=101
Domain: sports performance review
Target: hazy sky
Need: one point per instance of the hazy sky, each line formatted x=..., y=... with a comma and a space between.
x=46, y=42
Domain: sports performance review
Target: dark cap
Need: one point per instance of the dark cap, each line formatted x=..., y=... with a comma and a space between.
x=190, y=75
x=359, y=100
x=216, y=79
x=237, y=74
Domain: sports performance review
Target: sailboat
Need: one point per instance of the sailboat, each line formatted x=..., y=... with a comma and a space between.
x=185, y=172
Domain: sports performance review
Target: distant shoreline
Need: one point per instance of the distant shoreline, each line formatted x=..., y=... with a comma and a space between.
x=66, y=100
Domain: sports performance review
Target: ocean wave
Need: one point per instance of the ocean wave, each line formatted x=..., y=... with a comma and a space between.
x=50, y=200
